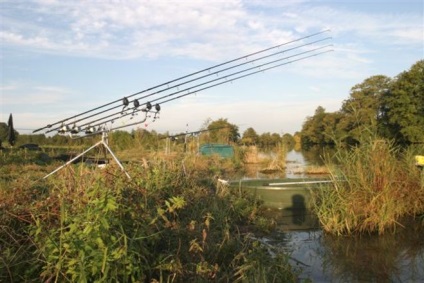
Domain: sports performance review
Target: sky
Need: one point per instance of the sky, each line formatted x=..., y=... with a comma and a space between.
x=59, y=58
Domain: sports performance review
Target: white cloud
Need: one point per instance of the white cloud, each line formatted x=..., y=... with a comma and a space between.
x=205, y=30
x=194, y=29
x=21, y=94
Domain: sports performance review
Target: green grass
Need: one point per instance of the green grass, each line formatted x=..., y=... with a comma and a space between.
x=375, y=185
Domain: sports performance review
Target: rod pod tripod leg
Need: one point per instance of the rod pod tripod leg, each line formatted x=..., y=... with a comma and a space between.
x=103, y=142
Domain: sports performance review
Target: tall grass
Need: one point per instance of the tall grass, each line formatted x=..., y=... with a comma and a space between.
x=375, y=185
x=167, y=224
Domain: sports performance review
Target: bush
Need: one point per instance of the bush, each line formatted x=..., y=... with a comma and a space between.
x=166, y=224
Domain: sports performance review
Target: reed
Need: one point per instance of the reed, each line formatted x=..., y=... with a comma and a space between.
x=375, y=184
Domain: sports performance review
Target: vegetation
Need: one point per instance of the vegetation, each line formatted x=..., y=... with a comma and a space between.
x=393, y=108
x=171, y=222
x=375, y=186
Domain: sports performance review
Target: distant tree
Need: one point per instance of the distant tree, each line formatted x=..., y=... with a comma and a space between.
x=334, y=128
x=362, y=109
x=222, y=131
x=37, y=139
x=121, y=139
x=4, y=129
x=323, y=128
x=276, y=139
x=391, y=108
x=288, y=139
x=3, y=132
x=268, y=141
x=59, y=140
x=313, y=128
x=250, y=137
x=402, y=108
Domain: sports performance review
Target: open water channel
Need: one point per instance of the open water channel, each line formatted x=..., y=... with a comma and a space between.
x=394, y=257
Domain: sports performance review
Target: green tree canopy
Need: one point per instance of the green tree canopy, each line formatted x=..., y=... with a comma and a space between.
x=403, y=106
x=250, y=137
x=313, y=127
x=223, y=132
x=391, y=108
x=363, y=108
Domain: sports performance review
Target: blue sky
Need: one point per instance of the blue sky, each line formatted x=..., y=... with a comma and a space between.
x=59, y=58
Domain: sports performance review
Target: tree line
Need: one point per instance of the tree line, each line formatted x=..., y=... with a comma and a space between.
x=392, y=108
x=218, y=131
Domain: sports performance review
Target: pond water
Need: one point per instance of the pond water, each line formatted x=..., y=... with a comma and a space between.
x=394, y=257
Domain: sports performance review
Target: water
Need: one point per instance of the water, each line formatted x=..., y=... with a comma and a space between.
x=319, y=257
x=394, y=257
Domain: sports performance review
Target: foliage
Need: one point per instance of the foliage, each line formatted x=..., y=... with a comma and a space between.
x=362, y=110
x=394, y=108
x=222, y=131
x=374, y=186
x=403, y=106
x=250, y=137
x=288, y=140
x=268, y=141
x=4, y=130
x=321, y=128
x=169, y=223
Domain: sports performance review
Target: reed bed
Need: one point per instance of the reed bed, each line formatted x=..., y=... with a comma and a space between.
x=171, y=222
x=375, y=185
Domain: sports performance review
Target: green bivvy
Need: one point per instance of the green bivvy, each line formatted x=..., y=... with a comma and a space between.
x=223, y=150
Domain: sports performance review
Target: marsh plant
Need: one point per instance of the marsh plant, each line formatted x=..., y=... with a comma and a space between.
x=375, y=185
x=165, y=224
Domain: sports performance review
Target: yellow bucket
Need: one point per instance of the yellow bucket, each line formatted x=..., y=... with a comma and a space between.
x=419, y=160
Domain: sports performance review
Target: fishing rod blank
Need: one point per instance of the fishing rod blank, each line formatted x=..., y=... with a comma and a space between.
x=220, y=83
x=168, y=85
x=126, y=102
x=193, y=89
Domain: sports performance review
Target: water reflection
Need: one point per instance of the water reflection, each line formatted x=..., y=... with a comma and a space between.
x=394, y=257
x=397, y=257
x=298, y=209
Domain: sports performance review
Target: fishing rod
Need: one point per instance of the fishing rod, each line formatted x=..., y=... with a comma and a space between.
x=207, y=87
x=136, y=102
x=246, y=75
x=193, y=89
x=195, y=132
x=126, y=102
x=227, y=80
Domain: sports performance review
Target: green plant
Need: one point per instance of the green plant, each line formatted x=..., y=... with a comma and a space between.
x=374, y=185
x=166, y=224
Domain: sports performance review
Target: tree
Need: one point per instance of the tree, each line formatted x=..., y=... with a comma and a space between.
x=121, y=139
x=223, y=131
x=268, y=141
x=288, y=140
x=362, y=109
x=403, y=106
x=250, y=137
x=4, y=130
x=313, y=128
